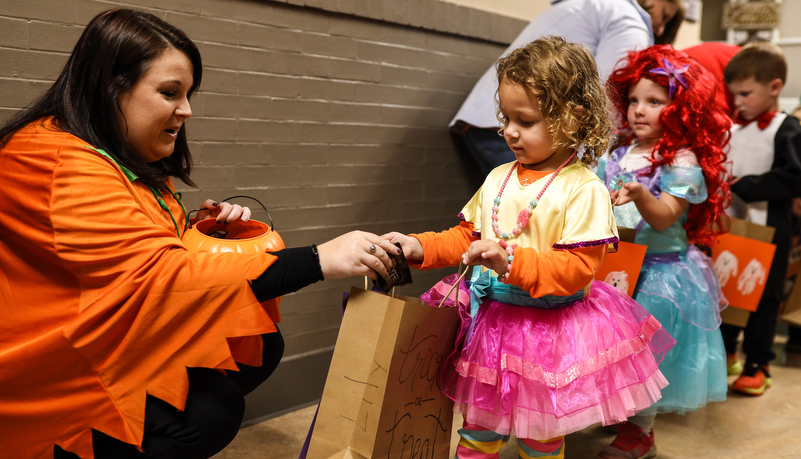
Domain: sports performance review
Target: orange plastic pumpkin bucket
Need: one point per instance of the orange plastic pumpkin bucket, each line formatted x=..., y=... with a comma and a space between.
x=251, y=236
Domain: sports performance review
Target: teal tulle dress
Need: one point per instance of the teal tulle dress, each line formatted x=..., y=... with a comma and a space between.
x=679, y=286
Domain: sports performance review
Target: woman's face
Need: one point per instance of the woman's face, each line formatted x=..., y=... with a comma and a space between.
x=157, y=105
x=661, y=12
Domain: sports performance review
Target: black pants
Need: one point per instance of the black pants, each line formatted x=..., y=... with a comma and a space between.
x=489, y=149
x=758, y=335
x=215, y=406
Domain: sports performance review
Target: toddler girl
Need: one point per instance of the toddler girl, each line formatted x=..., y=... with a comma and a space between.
x=543, y=350
x=672, y=170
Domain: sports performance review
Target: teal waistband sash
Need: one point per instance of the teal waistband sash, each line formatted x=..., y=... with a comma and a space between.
x=484, y=285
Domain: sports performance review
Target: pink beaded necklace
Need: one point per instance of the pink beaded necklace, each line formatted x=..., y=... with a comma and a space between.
x=525, y=214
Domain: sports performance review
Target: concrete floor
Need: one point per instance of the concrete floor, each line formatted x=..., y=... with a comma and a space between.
x=741, y=427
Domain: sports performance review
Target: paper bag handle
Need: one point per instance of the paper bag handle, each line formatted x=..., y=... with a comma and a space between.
x=456, y=284
x=391, y=292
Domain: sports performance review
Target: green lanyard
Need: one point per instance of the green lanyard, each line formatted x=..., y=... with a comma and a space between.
x=177, y=197
x=156, y=193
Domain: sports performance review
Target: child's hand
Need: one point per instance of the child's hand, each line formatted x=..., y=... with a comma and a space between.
x=412, y=249
x=630, y=192
x=487, y=253
x=613, y=195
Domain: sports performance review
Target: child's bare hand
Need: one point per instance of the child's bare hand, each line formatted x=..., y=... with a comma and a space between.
x=487, y=253
x=412, y=249
x=630, y=192
x=614, y=194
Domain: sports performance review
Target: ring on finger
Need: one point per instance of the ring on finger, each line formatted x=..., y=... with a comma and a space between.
x=372, y=249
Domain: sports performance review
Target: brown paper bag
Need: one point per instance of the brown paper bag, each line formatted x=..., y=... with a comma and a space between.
x=626, y=234
x=735, y=314
x=382, y=397
x=792, y=309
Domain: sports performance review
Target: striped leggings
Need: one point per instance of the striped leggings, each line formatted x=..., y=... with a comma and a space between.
x=480, y=443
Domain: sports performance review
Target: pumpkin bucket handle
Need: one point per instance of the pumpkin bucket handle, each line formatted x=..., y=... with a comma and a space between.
x=272, y=227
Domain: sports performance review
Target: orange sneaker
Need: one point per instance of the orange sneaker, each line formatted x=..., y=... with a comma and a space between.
x=631, y=443
x=755, y=380
x=733, y=364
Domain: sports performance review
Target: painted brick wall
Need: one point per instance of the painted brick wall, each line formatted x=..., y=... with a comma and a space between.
x=332, y=113
x=790, y=43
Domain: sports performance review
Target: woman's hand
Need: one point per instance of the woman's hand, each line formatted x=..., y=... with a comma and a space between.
x=222, y=211
x=357, y=253
x=412, y=249
x=489, y=254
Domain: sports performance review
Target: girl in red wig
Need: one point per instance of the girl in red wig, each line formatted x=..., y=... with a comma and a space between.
x=669, y=183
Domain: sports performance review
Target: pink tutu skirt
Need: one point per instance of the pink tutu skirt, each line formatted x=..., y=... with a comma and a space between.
x=543, y=373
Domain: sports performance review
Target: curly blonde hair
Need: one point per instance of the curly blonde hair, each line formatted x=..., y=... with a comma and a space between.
x=564, y=79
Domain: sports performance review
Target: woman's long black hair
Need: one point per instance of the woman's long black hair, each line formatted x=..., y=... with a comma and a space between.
x=114, y=51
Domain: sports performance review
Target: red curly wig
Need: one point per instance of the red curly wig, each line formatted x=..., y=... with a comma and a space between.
x=691, y=120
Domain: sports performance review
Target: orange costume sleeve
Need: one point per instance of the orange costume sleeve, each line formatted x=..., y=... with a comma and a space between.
x=444, y=249
x=561, y=272
x=101, y=302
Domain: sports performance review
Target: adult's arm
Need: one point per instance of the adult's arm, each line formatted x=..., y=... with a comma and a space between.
x=292, y=270
x=345, y=256
x=621, y=27
x=608, y=28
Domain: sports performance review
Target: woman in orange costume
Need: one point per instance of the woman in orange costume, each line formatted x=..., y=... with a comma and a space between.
x=115, y=341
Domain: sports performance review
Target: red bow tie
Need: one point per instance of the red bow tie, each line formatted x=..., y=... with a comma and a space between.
x=762, y=120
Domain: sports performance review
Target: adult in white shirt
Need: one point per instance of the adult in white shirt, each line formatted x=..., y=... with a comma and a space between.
x=608, y=28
